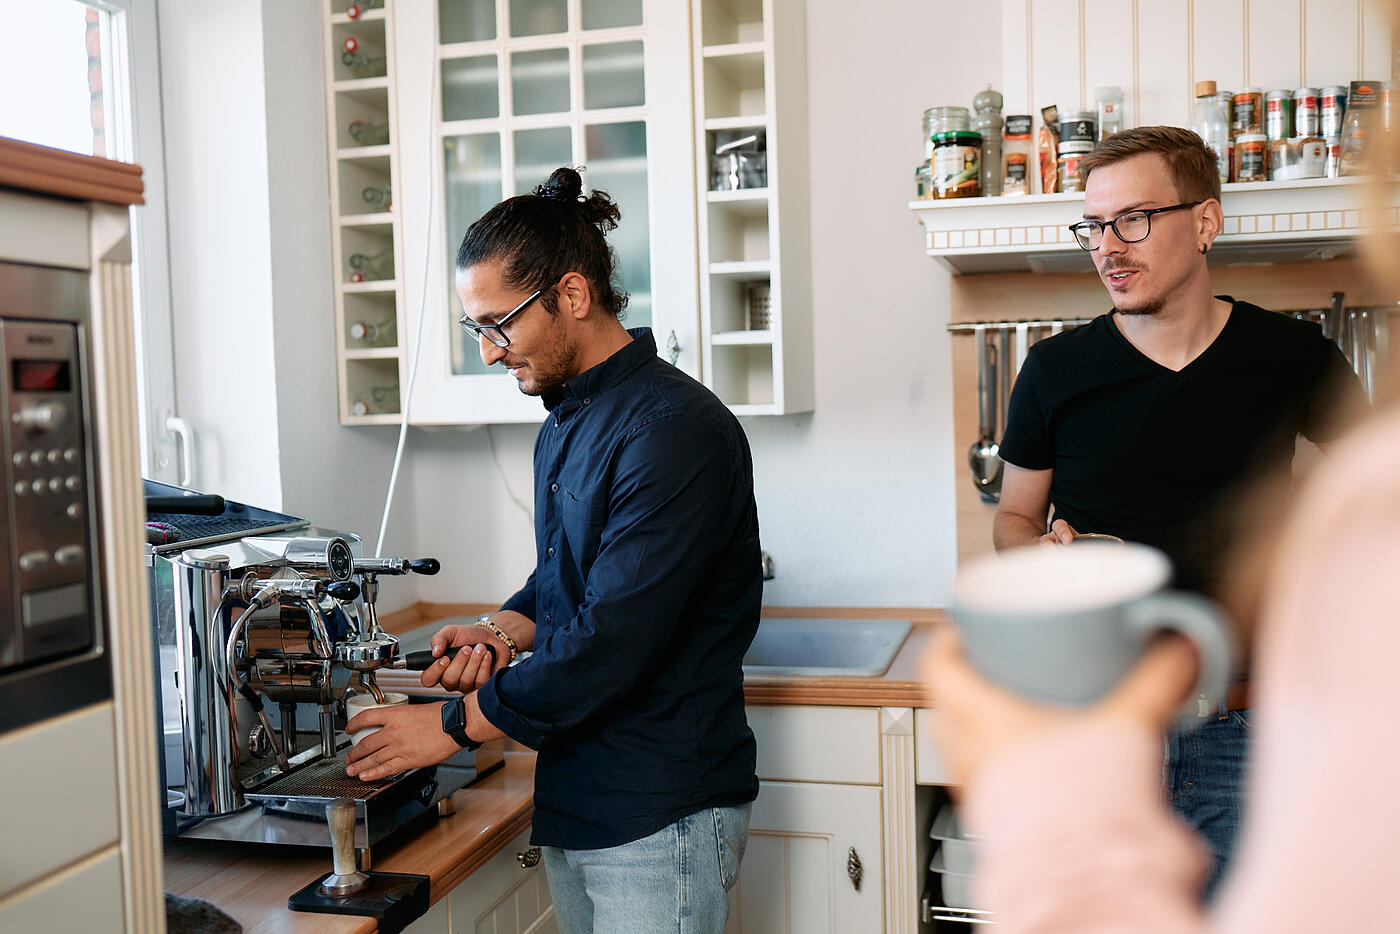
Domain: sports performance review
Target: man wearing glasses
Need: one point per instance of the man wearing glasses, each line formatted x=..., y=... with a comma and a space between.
x=1153, y=421
x=644, y=597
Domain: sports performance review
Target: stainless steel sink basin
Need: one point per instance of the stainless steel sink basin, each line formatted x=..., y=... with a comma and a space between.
x=850, y=648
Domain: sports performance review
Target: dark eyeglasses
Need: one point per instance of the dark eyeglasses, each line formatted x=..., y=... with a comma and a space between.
x=495, y=333
x=1130, y=227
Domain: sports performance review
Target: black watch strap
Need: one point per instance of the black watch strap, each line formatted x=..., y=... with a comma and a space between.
x=454, y=723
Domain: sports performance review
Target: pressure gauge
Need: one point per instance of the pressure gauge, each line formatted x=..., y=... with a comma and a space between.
x=339, y=559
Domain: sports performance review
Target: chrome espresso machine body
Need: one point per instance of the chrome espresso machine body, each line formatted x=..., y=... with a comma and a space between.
x=271, y=632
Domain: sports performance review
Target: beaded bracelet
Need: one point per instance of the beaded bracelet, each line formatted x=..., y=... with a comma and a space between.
x=486, y=623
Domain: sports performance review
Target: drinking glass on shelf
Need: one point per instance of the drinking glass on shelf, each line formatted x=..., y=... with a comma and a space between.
x=379, y=196
x=368, y=133
x=376, y=266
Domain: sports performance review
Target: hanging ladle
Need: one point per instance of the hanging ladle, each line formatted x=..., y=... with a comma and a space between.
x=984, y=457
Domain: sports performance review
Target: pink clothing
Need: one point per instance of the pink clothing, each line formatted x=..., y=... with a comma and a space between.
x=1077, y=837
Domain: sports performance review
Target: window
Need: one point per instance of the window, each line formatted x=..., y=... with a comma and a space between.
x=90, y=81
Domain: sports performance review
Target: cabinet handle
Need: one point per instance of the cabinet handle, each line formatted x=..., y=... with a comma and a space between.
x=531, y=858
x=673, y=349
x=854, y=869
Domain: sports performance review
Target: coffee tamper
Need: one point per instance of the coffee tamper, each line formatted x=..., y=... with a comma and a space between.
x=345, y=878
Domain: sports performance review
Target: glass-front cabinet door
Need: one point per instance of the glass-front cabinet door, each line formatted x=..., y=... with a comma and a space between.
x=493, y=95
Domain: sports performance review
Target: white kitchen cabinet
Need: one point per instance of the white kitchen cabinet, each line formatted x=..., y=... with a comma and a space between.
x=755, y=284
x=492, y=96
x=795, y=873
x=362, y=136
x=836, y=791
x=435, y=921
x=507, y=895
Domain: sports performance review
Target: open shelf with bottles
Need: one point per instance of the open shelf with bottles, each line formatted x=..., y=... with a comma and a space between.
x=755, y=307
x=365, y=222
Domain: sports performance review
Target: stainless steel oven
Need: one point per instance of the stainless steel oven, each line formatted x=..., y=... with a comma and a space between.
x=52, y=637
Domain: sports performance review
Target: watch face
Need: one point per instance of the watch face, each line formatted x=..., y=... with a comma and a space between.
x=454, y=716
x=339, y=560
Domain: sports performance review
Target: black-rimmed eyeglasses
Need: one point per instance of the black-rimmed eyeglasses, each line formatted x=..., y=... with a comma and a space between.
x=1130, y=227
x=495, y=333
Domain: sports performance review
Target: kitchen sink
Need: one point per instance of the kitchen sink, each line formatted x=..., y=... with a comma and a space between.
x=848, y=648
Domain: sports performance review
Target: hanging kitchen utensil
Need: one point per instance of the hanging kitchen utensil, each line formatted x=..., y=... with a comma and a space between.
x=1007, y=374
x=1022, y=346
x=983, y=458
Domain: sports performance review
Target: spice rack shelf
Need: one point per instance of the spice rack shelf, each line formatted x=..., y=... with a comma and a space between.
x=755, y=295
x=365, y=224
x=1265, y=222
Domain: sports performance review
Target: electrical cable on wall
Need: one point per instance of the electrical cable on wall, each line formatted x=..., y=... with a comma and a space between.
x=418, y=333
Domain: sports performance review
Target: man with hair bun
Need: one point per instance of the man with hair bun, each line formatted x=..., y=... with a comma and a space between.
x=644, y=597
x=1152, y=421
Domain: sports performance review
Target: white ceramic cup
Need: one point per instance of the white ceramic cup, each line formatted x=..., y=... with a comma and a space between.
x=358, y=703
x=1064, y=625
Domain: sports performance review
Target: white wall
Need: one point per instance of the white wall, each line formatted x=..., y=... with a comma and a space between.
x=243, y=85
x=855, y=500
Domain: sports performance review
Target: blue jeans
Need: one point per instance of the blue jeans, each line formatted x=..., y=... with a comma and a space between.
x=676, y=880
x=1205, y=779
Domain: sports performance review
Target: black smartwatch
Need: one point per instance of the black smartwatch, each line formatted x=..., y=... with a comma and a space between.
x=454, y=723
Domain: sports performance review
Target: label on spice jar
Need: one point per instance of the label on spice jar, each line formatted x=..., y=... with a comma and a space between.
x=1251, y=157
x=1278, y=119
x=957, y=165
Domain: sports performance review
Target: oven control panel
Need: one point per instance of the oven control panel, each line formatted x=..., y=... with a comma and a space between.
x=48, y=574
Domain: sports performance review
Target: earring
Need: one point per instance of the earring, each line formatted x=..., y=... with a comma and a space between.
x=1204, y=249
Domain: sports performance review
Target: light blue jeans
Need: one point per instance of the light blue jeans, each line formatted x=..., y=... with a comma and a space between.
x=676, y=880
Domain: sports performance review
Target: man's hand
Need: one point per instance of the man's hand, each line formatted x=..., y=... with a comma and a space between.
x=1061, y=533
x=450, y=668
x=411, y=738
x=979, y=720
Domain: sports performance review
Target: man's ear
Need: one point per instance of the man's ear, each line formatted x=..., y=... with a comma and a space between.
x=1212, y=223
x=575, y=295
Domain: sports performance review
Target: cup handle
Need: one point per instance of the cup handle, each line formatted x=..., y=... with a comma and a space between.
x=1201, y=621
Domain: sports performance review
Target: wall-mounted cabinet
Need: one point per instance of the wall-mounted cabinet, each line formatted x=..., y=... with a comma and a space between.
x=501, y=93
x=750, y=83
x=365, y=224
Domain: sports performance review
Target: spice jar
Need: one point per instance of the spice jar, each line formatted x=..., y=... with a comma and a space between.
x=1078, y=135
x=1016, y=156
x=943, y=120
x=1249, y=111
x=957, y=164
x=987, y=123
x=1251, y=157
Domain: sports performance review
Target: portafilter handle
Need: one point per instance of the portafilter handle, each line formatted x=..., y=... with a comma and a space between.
x=428, y=566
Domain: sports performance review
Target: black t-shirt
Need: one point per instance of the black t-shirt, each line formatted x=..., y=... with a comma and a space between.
x=1166, y=458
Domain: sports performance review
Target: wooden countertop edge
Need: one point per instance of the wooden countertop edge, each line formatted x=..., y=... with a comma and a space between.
x=898, y=687
x=30, y=167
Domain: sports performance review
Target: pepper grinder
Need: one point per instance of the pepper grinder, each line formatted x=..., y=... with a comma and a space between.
x=988, y=123
x=345, y=879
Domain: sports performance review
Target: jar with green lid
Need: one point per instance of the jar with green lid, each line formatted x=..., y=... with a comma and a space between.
x=943, y=120
x=957, y=164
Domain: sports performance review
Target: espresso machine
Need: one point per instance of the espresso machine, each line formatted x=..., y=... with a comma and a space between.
x=264, y=632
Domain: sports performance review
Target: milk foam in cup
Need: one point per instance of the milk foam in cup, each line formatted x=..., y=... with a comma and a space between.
x=358, y=703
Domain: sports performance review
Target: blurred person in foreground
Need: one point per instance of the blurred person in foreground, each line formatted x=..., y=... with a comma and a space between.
x=1076, y=836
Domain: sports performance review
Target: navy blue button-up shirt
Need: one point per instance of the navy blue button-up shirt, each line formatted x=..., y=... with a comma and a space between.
x=645, y=596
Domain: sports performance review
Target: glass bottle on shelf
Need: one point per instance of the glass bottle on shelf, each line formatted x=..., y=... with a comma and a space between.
x=372, y=266
x=361, y=63
x=368, y=133
x=379, y=196
x=375, y=334
x=1211, y=124
x=357, y=9
x=376, y=400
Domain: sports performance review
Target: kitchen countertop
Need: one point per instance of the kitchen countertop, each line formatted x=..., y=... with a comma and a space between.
x=899, y=686
x=252, y=882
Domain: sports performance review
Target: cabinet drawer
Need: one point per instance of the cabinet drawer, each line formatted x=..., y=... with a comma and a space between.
x=86, y=897
x=929, y=768
x=502, y=897
x=817, y=744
